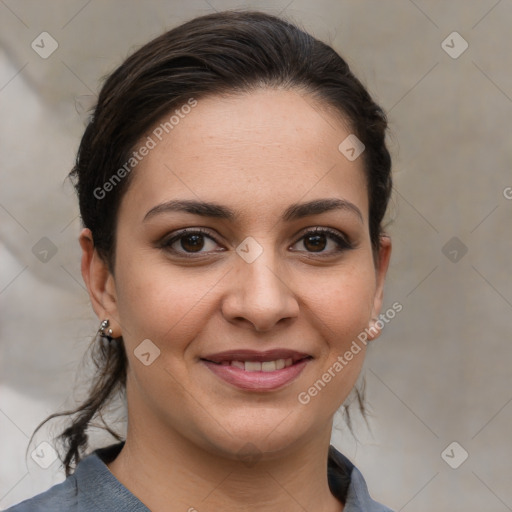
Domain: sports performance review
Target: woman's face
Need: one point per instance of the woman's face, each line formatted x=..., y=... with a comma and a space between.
x=256, y=280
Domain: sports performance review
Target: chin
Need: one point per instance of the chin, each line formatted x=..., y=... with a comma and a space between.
x=259, y=435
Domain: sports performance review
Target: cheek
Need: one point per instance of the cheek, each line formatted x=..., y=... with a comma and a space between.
x=161, y=303
x=342, y=303
x=340, y=309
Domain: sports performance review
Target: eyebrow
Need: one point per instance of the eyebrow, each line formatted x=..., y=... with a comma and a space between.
x=293, y=212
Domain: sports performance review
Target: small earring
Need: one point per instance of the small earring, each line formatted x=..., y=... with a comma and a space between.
x=104, y=332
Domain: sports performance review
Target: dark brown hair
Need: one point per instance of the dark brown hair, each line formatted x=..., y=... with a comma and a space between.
x=225, y=52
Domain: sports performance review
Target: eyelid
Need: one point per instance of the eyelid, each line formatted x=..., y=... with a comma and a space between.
x=176, y=235
x=325, y=230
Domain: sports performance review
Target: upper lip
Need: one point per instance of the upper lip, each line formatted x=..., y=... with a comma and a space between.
x=254, y=355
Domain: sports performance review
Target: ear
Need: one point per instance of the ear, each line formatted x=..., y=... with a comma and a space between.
x=100, y=283
x=381, y=268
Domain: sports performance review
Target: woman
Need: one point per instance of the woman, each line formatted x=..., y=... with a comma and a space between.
x=232, y=183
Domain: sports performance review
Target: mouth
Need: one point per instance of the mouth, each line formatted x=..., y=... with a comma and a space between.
x=257, y=371
x=252, y=361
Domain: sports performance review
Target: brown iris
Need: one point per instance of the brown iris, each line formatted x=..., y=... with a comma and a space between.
x=318, y=243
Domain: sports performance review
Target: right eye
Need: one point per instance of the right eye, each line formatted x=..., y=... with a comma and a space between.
x=187, y=242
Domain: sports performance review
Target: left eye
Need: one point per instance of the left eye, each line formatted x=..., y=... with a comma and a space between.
x=317, y=239
x=194, y=241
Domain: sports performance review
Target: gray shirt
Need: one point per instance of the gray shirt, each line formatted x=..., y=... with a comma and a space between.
x=93, y=488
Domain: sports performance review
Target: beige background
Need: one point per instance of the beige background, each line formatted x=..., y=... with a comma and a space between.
x=441, y=371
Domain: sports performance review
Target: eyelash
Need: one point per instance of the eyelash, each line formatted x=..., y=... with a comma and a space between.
x=342, y=243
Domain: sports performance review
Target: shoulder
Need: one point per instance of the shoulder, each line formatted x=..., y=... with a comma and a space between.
x=92, y=487
x=355, y=495
x=60, y=497
x=359, y=497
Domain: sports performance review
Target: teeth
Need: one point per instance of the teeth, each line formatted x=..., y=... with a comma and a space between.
x=257, y=366
x=268, y=366
x=252, y=366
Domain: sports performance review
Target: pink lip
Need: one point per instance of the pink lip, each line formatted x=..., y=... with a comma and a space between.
x=257, y=381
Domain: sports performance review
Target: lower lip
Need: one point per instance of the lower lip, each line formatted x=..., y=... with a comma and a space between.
x=257, y=381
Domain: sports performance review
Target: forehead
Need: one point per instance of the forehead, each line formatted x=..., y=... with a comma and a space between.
x=267, y=148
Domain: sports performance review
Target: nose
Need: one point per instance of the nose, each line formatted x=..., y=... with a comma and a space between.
x=260, y=295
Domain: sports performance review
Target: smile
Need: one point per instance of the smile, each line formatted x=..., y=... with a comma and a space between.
x=257, y=371
x=256, y=366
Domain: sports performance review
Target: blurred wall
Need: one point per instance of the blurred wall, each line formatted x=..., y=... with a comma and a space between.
x=439, y=378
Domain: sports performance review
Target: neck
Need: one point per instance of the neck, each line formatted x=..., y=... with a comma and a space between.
x=166, y=471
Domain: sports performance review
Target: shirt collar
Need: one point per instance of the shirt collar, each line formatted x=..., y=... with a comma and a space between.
x=357, y=498
x=100, y=488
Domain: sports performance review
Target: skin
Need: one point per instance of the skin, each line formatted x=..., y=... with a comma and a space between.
x=256, y=153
